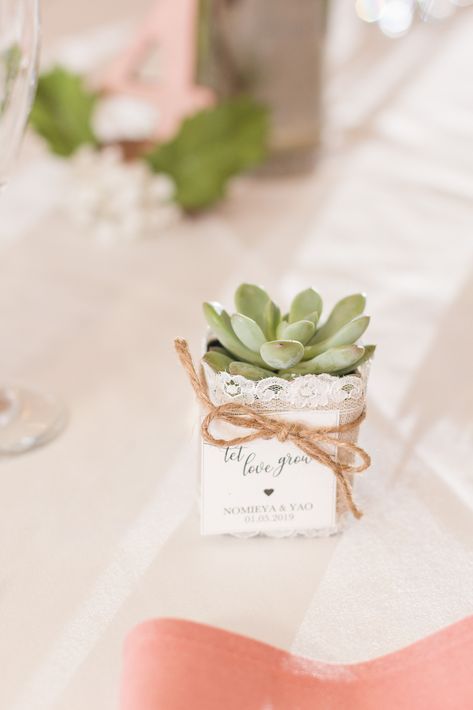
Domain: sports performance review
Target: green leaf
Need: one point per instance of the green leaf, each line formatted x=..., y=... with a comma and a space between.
x=217, y=361
x=252, y=301
x=281, y=354
x=367, y=355
x=211, y=147
x=248, y=331
x=281, y=329
x=221, y=325
x=62, y=111
x=343, y=312
x=330, y=361
x=302, y=331
x=306, y=303
x=271, y=318
x=251, y=372
x=347, y=335
x=218, y=349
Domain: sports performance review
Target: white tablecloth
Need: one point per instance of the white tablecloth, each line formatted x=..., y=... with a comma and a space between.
x=100, y=529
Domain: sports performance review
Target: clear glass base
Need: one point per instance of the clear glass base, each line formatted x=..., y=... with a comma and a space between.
x=28, y=419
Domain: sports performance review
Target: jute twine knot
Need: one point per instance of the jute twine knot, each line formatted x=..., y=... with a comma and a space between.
x=308, y=439
x=285, y=432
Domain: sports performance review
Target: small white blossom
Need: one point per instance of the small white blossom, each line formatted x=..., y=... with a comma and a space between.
x=116, y=200
x=118, y=118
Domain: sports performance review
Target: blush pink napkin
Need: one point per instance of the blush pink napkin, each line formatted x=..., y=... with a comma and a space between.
x=180, y=665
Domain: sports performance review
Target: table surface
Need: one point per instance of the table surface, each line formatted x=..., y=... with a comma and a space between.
x=99, y=530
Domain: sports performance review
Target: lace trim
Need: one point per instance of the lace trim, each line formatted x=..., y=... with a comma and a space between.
x=305, y=392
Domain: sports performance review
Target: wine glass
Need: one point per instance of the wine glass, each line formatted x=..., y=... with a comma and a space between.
x=27, y=418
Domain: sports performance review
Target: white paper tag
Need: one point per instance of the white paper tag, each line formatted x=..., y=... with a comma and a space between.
x=266, y=485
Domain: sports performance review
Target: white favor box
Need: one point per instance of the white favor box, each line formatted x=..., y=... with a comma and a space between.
x=271, y=487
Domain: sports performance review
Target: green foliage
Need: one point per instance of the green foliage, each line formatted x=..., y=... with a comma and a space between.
x=343, y=312
x=248, y=331
x=332, y=361
x=62, y=111
x=301, y=330
x=300, y=348
x=221, y=325
x=281, y=354
x=307, y=304
x=345, y=335
x=251, y=372
x=211, y=147
x=217, y=360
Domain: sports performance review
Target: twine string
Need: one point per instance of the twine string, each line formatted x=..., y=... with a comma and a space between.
x=309, y=439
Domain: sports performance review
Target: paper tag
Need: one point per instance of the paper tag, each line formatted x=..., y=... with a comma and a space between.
x=266, y=485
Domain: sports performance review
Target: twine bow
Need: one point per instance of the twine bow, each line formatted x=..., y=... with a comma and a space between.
x=308, y=439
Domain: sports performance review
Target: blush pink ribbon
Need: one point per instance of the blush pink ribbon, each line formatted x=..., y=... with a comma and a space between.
x=181, y=665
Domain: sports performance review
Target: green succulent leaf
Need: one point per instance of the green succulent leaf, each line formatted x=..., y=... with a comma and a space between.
x=217, y=361
x=302, y=331
x=219, y=349
x=281, y=354
x=282, y=325
x=347, y=335
x=367, y=355
x=271, y=318
x=248, y=331
x=343, y=312
x=221, y=325
x=212, y=146
x=252, y=301
x=314, y=317
x=251, y=372
x=330, y=361
x=257, y=343
x=62, y=111
x=307, y=305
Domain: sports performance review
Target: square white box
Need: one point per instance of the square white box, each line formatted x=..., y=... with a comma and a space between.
x=266, y=486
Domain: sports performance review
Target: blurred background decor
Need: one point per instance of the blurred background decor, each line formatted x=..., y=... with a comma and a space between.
x=198, y=96
x=190, y=170
x=189, y=51
x=269, y=49
x=158, y=65
x=200, y=92
x=395, y=17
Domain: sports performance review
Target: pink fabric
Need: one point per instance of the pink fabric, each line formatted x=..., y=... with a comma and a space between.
x=181, y=665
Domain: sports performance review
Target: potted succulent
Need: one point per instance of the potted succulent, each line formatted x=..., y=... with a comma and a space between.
x=257, y=342
x=295, y=389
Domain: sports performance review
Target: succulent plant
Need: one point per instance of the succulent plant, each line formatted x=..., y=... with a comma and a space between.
x=258, y=342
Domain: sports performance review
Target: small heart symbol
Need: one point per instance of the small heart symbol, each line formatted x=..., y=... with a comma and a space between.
x=268, y=491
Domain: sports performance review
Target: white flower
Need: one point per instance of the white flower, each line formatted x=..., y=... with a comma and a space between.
x=118, y=201
x=118, y=118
